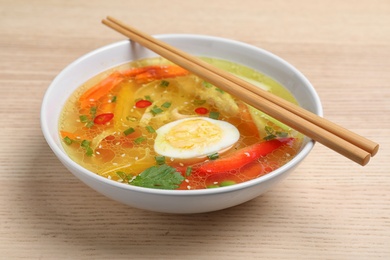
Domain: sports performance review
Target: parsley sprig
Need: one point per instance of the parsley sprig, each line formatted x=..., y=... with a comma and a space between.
x=159, y=177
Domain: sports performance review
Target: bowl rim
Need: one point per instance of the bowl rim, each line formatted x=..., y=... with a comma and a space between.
x=305, y=150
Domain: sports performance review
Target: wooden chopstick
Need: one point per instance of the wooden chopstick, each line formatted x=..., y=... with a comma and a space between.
x=341, y=140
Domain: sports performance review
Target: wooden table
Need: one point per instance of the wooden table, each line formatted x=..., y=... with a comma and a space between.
x=329, y=208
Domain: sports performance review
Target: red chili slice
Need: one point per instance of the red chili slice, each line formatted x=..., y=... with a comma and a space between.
x=143, y=103
x=103, y=118
x=201, y=110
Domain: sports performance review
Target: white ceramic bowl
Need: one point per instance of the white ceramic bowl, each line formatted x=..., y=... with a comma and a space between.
x=175, y=201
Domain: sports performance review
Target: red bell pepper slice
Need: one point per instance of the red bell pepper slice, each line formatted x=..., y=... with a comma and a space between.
x=243, y=156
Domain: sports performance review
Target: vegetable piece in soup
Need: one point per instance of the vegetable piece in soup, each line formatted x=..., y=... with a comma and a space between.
x=152, y=124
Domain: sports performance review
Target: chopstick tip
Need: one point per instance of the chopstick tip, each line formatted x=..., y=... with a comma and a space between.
x=375, y=150
x=366, y=160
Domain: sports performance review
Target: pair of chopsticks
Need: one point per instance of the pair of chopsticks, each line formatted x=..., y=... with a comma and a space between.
x=347, y=143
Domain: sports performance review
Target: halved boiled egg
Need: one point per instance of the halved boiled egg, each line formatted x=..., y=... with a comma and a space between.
x=195, y=137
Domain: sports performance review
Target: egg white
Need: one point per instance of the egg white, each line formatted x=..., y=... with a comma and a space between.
x=195, y=137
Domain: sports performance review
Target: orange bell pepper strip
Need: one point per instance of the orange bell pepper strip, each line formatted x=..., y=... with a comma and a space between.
x=68, y=134
x=154, y=72
x=101, y=89
x=141, y=75
x=131, y=73
x=73, y=136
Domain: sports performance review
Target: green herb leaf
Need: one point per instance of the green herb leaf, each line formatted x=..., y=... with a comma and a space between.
x=113, y=100
x=159, y=177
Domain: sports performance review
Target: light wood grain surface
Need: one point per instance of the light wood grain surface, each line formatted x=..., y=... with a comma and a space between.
x=329, y=208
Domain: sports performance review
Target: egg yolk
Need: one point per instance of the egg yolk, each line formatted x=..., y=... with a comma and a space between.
x=192, y=134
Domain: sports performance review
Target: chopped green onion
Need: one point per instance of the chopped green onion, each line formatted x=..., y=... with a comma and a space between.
x=213, y=156
x=124, y=176
x=150, y=129
x=156, y=110
x=207, y=84
x=148, y=98
x=93, y=111
x=226, y=183
x=67, y=140
x=269, y=137
x=281, y=134
x=164, y=83
x=214, y=115
x=113, y=100
x=121, y=175
x=166, y=104
x=160, y=160
x=89, y=124
x=139, y=140
x=188, y=171
x=86, y=145
x=83, y=118
x=89, y=151
x=129, y=131
x=272, y=134
x=219, y=90
x=268, y=130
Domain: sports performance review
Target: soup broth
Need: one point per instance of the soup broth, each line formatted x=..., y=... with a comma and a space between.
x=153, y=124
